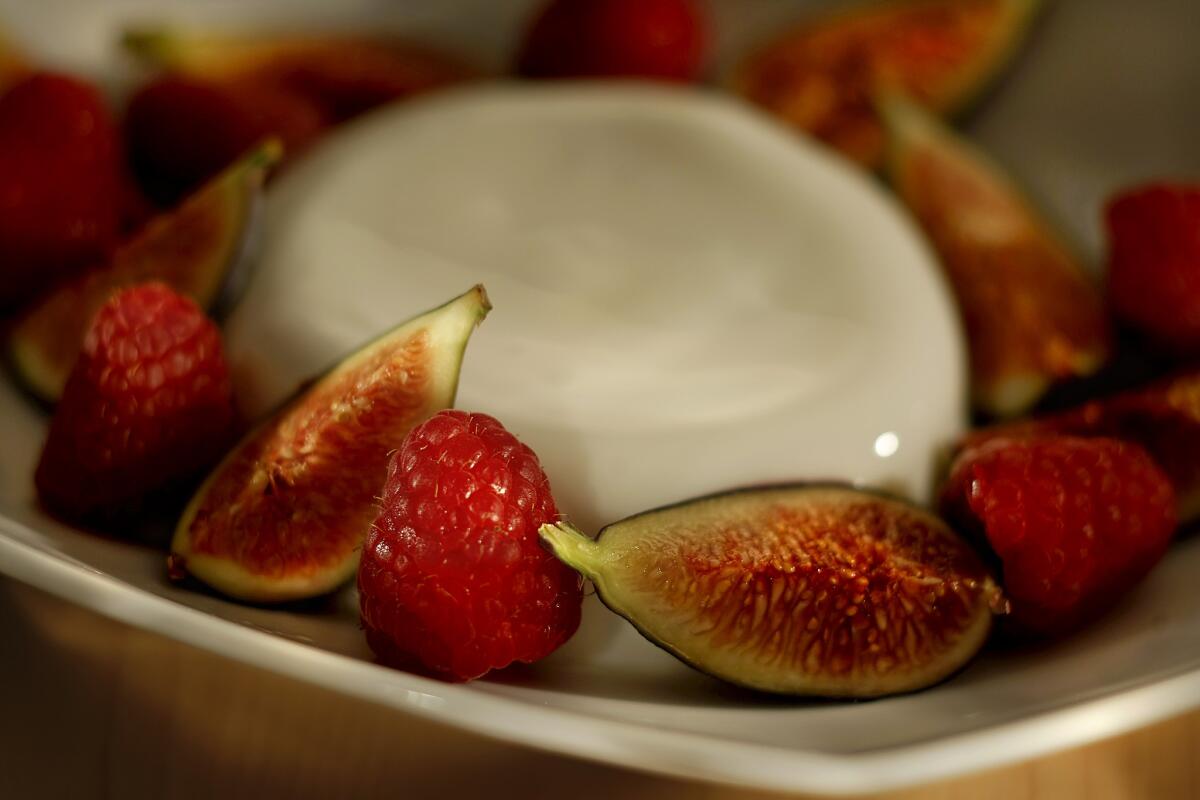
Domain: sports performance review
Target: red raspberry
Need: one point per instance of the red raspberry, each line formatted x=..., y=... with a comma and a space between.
x=59, y=168
x=1154, y=263
x=662, y=39
x=148, y=402
x=453, y=578
x=1075, y=522
x=1163, y=417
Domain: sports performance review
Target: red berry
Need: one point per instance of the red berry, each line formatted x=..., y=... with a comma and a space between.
x=59, y=167
x=1154, y=263
x=453, y=579
x=148, y=402
x=181, y=131
x=1163, y=417
x=662, y=39
x=1074, y=522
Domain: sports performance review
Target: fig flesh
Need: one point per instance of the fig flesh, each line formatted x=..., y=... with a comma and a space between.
x=201, y=249
x=284, y=515
x=820, y=77
x=808, y=590
x=1031, y=313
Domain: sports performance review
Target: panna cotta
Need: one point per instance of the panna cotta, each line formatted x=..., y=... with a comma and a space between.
x=687, y=298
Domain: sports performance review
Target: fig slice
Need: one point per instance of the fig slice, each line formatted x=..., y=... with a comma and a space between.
x=344, y=74
x=820, y=76
x=808, y=590
x=1032, y=315
x=202, y=248
x=283, y=516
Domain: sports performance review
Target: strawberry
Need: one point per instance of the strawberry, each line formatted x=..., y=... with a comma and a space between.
x=453, y=578
x=661, y=39
x=148, y=402
x=1154, y=263
x=1075, y=523
x=59, y=168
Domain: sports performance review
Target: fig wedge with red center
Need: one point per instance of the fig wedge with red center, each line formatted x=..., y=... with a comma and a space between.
x=811, y=590
x=201, y=249
x=820, y=77
x=283, y=516
x=1031, y=313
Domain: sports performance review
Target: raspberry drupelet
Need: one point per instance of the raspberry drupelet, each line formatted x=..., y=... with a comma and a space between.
x=1076, y=523
x=149, y=402
x=453, y=580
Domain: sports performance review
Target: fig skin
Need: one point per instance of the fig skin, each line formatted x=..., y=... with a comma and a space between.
x=1032, y=315
x=819, y=76
x=878, y=597
x=284, y=515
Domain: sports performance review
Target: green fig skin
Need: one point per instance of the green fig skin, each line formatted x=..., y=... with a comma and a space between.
x=284, y=515
x=797, y=590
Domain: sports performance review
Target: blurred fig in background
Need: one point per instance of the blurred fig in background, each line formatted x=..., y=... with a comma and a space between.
x=656, y=39
x=59, y=183
x=221, y=93
x=1031, y=313
x=820, y=76
x=1154, y=263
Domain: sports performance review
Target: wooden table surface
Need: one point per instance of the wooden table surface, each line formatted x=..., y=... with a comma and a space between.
x=93, y=708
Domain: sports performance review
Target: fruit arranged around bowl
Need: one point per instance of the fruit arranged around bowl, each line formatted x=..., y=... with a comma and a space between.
x=1154, y=263
x=202, y=248
x=1031, y=313
x=798, y=589
x=655, y=39
x=284, y=515
x=1075, y=522
x=221, y=92
x=148, y=403
x=453, y=580
x=821, y=76
x=59, y=178
x=1163, y=417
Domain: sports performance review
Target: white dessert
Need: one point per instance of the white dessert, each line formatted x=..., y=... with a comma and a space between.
x=687, y=298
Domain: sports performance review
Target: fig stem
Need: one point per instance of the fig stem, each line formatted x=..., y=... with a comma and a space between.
x=572, y=546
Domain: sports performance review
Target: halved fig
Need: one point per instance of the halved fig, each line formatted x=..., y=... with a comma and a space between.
x=1031, y=313
x=284, y=515
x=821, y=76
x=813, y=590
x=1163, y=417
x=201, y=248
x=344, y=74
